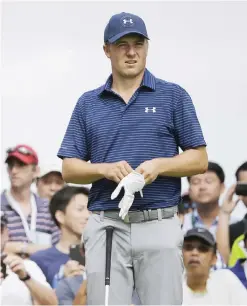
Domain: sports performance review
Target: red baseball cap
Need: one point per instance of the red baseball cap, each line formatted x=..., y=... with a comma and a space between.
x=24, y=153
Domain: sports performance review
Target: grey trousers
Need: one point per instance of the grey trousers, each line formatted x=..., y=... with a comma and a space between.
x=146, y=256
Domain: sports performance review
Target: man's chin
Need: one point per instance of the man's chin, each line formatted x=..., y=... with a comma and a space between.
x=205, y=201
x=131, y=73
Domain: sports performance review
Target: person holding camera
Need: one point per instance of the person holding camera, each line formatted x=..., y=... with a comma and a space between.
x=69, y=211
x=227, y=235
x=22, y=282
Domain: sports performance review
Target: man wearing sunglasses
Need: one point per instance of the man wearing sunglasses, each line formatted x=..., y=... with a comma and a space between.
x=201, y=284
x=29, y=222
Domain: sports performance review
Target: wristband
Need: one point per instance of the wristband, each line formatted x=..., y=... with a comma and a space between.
x=27, y=277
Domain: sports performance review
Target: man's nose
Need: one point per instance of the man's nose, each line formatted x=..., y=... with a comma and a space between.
x=194, y=251
x=14, y=169
x=54, y=187
x=131, y=51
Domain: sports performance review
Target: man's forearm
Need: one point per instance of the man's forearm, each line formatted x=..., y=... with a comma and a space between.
x=190, y=162
x=41, y=294
x=80, y=172
x=222, y=235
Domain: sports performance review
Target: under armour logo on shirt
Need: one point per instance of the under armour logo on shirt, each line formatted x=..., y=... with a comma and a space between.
x=150, y=109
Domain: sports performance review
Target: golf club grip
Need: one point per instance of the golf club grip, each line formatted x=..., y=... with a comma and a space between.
x=109, y=232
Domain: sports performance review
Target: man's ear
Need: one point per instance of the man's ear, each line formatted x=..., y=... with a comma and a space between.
x=36, y=170
x=106, y=49
x=214, y=259
x=222, y=188
x=59, y=215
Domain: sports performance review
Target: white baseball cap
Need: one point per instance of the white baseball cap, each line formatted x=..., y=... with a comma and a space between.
x=46, y=169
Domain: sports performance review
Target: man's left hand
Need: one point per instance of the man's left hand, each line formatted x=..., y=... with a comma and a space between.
x=16, y=264
x=149, y=169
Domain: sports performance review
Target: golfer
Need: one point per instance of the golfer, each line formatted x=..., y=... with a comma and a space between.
x=131, y=129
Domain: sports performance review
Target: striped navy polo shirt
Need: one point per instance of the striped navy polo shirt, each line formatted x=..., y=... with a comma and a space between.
x=44, y=222
x=159, y=118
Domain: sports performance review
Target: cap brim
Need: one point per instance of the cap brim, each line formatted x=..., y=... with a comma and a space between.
x=120, y=35
x=26, y=159
x=200, y=236
x=49, y=172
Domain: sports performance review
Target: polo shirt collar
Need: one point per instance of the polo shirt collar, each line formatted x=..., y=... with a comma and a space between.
x=148, y=81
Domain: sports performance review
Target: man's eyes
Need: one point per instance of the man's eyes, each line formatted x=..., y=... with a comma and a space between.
x=126, y=45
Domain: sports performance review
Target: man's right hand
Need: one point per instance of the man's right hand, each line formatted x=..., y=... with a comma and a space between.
x=229, y=204
x=73, y=268
x=116, y=171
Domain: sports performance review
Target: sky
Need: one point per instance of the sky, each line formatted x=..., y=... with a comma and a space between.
x=52, y=53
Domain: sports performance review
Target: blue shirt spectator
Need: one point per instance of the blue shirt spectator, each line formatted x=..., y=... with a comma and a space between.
x=51, y=261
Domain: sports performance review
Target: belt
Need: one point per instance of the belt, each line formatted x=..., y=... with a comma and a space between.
x=138, y=216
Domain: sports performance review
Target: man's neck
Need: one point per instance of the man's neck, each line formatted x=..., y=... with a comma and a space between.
x=66, y=240
x=21, y=195
x=197, y=283
x=208, y=212
x=126, y=86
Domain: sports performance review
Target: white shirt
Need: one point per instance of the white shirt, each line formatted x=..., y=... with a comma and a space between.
x=14, y=292
x=223, y=288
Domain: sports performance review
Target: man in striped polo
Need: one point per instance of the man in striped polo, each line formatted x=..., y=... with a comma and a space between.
x=132, y=127
x=29, y=222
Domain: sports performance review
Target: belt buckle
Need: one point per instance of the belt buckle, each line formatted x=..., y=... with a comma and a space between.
x=126, y=219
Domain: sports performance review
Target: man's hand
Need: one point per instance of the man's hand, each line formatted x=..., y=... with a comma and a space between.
x=149, y=169
x=72, y=268
x=132, y=183
x=116, y=171
x=16, y=264
x=229, y=204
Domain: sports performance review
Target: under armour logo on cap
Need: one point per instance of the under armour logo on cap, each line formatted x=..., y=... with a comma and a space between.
x=123, y=24
x=127, y=22
x=201, y=230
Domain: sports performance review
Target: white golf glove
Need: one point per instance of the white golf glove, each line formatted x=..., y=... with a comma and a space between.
x=132, y=183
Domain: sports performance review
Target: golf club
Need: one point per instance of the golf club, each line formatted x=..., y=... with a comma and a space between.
x=109, y=232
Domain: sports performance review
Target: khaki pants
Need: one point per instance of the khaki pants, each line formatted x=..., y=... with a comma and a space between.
x=147, y=256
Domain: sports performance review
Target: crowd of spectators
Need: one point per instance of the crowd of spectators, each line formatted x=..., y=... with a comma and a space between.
x=42, y=231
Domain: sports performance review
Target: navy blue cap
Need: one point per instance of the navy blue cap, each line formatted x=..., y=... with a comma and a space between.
x=122, y=24
x=201, y=233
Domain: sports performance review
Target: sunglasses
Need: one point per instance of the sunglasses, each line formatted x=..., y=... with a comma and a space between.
x=202, y=248
x=22, y=150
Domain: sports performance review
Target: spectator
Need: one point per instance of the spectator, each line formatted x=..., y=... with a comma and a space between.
x=49, y=181
x=226, y=235
x=23, y=283
x=69, y=210
x=205, y=190
x=29, y=222
x=240, y=268
x=201, y=285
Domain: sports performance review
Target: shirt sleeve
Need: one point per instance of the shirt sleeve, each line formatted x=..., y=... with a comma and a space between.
x=188, y=130
x=36, y=273
x=74, y=144
x=64, y=293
